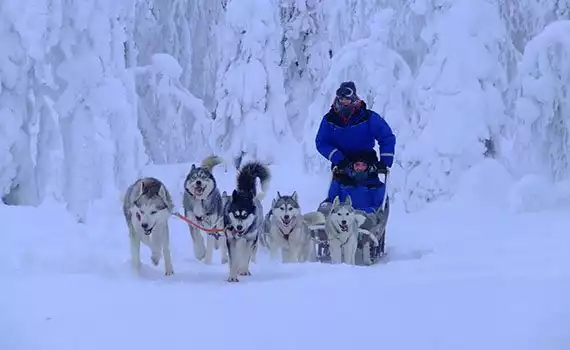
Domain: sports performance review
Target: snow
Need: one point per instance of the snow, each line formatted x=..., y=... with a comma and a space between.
x=463, y=274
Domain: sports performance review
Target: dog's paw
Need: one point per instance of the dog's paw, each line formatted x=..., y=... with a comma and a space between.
x=155, y=260
x=247, y=273
x=169, y=272
x=200, y=256
x=233, y=279
x=136, y=265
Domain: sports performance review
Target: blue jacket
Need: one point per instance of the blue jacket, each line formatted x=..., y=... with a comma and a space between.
x=336, y=140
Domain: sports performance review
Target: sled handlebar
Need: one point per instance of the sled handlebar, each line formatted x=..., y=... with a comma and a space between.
x=371, y=169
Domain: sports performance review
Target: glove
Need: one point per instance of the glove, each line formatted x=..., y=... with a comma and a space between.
x=377, y=168
x=342, y=166
x=380, y=168
x=387, y=160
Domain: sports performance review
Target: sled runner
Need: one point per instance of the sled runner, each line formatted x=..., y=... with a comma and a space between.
x=368, y=198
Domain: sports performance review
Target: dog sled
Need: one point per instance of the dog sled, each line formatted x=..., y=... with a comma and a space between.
x=374, y=206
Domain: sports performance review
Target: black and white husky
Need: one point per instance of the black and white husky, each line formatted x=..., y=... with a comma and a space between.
x=202, y=203
x=147, y=205
x=243, y=218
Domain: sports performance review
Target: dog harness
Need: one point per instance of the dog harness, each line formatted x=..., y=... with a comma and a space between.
x=286, y=229
x=201, y=219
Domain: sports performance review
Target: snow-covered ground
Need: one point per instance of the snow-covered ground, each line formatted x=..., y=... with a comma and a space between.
x=466, y=274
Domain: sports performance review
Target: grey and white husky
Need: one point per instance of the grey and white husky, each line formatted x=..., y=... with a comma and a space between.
x=286, y=229
x=371, y=232
x=372, y=245
x=243, y=218
x=342, y=227
x=202, y=203
x=147, y=205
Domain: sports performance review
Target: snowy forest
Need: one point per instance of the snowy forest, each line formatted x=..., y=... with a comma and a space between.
x=92, y=91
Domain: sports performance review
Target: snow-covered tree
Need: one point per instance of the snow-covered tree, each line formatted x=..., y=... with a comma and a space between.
x=458, y=94
x=96, y=106
x=87, y=88
x=171, y=43
x=250, y=96
x=15, y=162
x=70, y=101
x=186, y=30
x=526, y=18
x=175, y=123
x=541, y=129
x=300, y=49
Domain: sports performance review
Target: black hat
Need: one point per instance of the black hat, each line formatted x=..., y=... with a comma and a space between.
x=347, y=89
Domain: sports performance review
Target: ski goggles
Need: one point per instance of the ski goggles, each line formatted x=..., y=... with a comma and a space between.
x=346, y=95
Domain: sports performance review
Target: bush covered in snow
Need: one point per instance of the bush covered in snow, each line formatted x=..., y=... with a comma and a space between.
x=92, y=91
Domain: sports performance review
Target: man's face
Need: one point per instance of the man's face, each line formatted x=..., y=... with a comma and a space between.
x=345, y=101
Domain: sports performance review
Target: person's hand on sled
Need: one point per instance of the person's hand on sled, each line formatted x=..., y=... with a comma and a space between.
x=379, y=168
x=342, y=167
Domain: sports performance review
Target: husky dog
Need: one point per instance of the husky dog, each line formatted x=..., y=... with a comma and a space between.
x=225, y=198
x=287, y=229
x=202, y=202
x=342, y=226
x=243, y=218
x=373, y=245
x=147, y=205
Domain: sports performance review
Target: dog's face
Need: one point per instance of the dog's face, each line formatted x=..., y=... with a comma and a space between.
x=149, y=210
x=199, y=182
x=240, y=213
x=342, y=215
x=286, y=208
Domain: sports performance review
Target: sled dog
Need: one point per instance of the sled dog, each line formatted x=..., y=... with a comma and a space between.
x=342, y=227
x=147, y=205
x=286, y=229
x=243, y=218
x=373, y=244
x=202, y=203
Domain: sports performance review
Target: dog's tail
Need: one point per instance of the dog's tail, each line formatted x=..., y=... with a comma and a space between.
x=248, y=174
x=210, y=162
x=267, y=221
x=369, y=234
x=314, y=218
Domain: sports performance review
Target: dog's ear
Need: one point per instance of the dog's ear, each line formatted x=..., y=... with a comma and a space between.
x=348, y=201
x=294, y=196
x=278, y=194
x=139, y=189
x=360, y=219
x=336, y=201
x=274, y=200
x=234, y=195
x=193, y=167
x=224, y=194
x=163, y=194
